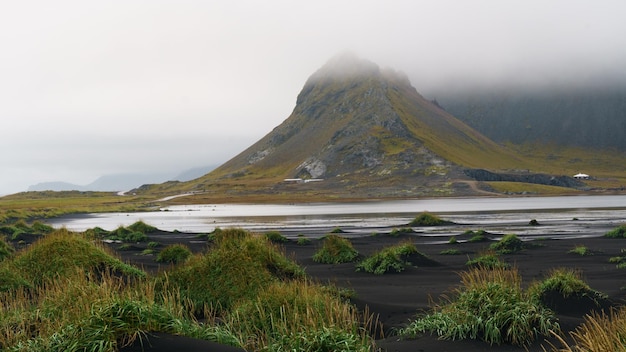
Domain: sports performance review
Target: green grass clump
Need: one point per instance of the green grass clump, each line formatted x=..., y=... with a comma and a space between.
x=299, y=316
x=618, y=232
x=39, y=227
x=388, y=259
x=275, y=237
x=125, y=234
x=96, y=233
x=477, y=236
x=427, y=219
x=238, y=266
x=453, y=240
x=489, y=305
x=337, y=230
x=488, y=260
x=126, y=247
x=400, y=231
x=335, y=250
x=6, y=250
x=175, y=253
x=63, y=252
x=142, y=227
x=564, y=283
x=581, y=250
x=15, y=230
x=137, y=232
x=303, y=241
x=620, y=260
x=508, y=244
x=452, y=251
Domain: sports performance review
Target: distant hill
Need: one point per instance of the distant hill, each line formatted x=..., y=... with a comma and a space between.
x=123, y=182
x=592, y=116
x=194, y=173
x=362, y=130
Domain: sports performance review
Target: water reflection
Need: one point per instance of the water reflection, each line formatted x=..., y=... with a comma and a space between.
x=561, y=217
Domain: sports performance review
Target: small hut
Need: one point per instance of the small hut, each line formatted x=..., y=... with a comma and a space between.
x=581, y=176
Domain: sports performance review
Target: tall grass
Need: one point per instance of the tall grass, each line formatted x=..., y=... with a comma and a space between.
x=600, y=332
x=72, y=295
x=300, y=316
x=93, y=313
x=489, y=305
x=237, y=267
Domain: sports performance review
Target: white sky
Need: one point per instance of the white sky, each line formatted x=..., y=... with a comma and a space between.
x=89, y=88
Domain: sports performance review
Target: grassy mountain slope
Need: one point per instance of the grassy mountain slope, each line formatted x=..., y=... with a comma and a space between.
x=361, y=128
x=368, y=133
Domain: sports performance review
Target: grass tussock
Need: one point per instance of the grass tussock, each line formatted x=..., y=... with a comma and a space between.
x=276, y=237
x=393, y=258
x=477, y=236
x=489, y=305
x=618, y=232
x=175, y=254
x=487, y=260
x=335, y=249
x=581, y=250
x=300, y=316
x=620, y=260
x=238, y=267
x=564, y=289
x=61, y=253
x=427, y=219
x=508, y=244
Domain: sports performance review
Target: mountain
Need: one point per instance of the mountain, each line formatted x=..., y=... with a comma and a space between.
x=362, y=130
x=194, y=173
x=106, y=183
x=55, y=186
x=589, y=116
x=124, y=181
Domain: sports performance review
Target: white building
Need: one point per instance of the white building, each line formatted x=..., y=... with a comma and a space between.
x=581, y=176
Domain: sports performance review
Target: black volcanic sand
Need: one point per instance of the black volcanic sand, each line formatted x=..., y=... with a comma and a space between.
x=397, y=297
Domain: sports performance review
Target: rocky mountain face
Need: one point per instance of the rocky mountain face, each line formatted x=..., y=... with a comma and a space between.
x=357, y=126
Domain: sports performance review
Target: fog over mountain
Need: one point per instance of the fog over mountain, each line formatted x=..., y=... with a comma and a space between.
x=92, y=88
x=123, y=182
x=589, y=116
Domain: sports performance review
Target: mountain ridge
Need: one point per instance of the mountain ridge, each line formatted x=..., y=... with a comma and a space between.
x=122, y=181
x=363, y=128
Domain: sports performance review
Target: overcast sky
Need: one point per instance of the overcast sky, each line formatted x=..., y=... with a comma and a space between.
x=89, y=88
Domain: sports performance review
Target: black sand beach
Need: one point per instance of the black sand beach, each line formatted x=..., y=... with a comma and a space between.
x=397, y=297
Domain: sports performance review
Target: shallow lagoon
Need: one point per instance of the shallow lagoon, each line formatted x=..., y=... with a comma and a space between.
x=570, y=216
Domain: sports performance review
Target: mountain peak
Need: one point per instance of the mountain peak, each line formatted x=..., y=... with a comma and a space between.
x=345, y=65
x=357, y=126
